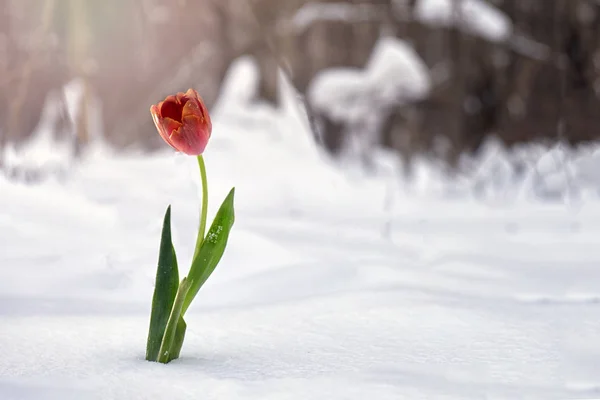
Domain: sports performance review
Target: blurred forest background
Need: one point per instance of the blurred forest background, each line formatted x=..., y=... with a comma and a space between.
x=536, y=80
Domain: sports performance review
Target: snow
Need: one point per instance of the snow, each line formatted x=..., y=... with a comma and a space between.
x=476, y=16
x=394, y=74
x=397, y=71
x=41, y=150
x=313, y=12
x=47, y=152
x=531, y=172
x=361, y=99
x=461, y=299
x=339, y=92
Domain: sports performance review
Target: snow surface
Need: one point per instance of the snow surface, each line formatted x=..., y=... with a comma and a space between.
x=335, y=285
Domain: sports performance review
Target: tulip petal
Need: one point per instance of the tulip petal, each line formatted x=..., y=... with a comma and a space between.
x=182, y=98
x=171, y=108
x=192, y=94
x=182, y=120
x=192, y=108
x=195, y=107
x=166, y=129
x=158, y=122
x=155, y=111
x=192, y=137
x=206, y=116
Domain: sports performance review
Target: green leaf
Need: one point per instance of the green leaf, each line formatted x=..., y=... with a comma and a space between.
x=166, y=347
x=178, y=340
x=165, y=289
x=212, y=248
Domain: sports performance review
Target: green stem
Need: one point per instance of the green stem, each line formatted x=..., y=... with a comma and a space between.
x=204, y=209
x=166, y=350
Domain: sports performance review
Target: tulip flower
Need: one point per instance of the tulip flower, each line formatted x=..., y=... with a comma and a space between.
x=183, y=122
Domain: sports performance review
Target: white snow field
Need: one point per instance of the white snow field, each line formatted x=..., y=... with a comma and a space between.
x=335, y=284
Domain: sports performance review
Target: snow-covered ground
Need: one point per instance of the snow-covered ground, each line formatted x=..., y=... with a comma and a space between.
x=335, y=285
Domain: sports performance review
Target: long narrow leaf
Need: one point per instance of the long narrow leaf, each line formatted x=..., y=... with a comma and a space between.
x=165, y=289
x=212, y=248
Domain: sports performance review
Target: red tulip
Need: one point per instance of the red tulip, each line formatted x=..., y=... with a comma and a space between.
x=183, y=122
